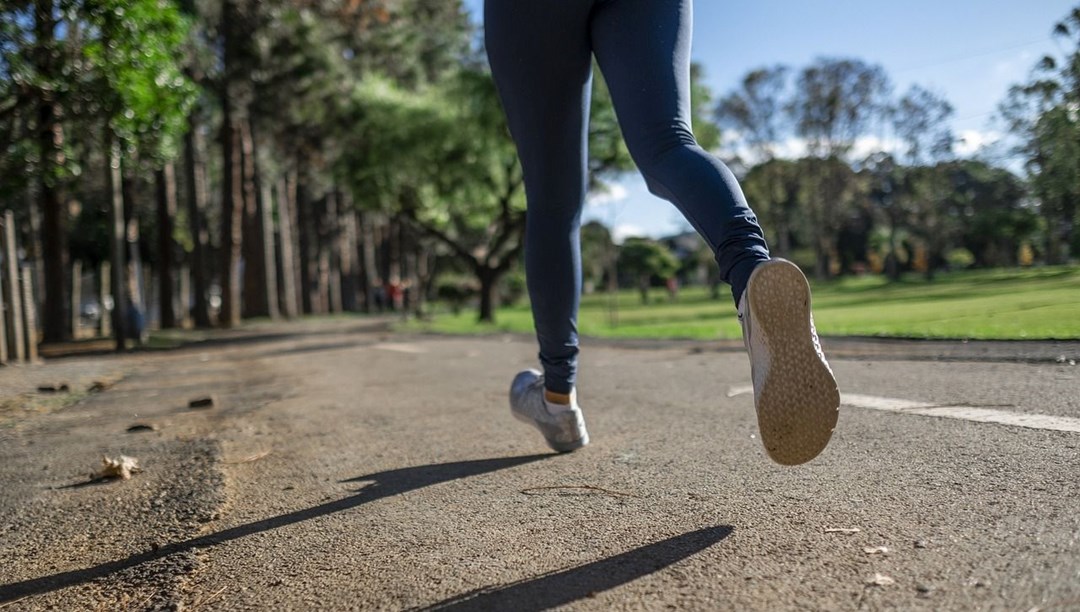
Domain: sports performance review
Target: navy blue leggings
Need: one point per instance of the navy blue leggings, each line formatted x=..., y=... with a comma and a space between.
x=541, y=57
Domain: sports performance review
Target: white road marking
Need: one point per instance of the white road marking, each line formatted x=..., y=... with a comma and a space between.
x=400, y=348
x=966, y=413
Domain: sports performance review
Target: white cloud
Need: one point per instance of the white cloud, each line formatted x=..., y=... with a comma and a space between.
x=792, y=148
x=612, y=194
x=624, y=231
x=865, y=145
x=972, y=141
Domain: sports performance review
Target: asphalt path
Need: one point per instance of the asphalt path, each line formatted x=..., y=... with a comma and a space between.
x=344, y=467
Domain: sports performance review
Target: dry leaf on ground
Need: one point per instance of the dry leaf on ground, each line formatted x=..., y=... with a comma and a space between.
x=880, y=580
x=122, y=467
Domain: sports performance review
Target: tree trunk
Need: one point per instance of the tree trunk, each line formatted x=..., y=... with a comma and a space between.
x=1053, y=239
x=53, y=230
x=821, y=259
x=286, y=201
x=117, y=245
x=195, y=169
x=232, y=219
x=256, y=298
x=309, y=264
x=892, y=260
x=424, y=266
x=266, y=206
x=132, y=275
x=488, y=280
x=348, y=253
x=232, y=167
x=371, y=271
x=393, y=264
x=332, y=252
x=166, y=211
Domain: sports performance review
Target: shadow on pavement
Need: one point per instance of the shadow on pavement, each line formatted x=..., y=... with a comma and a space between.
x=384, y=484
x=567, y=586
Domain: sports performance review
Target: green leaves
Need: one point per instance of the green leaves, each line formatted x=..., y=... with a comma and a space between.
x=134, y=54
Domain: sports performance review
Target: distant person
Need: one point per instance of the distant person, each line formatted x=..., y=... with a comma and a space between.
x=541, y=57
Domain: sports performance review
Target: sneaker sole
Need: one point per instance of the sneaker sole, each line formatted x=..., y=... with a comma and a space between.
x=799, y=402
x=560, y=447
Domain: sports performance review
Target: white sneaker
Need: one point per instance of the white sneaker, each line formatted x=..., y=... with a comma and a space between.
x=794, y=389
x=564, y=430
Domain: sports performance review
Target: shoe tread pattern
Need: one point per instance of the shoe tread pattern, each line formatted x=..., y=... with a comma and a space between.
x=799, y=401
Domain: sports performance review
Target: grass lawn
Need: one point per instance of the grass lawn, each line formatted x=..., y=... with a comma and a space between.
x=1029, y=304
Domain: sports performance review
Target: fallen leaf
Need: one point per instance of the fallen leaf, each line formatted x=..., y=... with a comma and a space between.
x=122, y=467
x=880, y=580
x=876, y=550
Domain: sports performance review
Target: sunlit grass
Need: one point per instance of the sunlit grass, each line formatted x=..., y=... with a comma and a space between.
x=988, y=304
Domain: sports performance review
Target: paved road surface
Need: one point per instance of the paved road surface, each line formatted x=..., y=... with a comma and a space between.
x=347, y=468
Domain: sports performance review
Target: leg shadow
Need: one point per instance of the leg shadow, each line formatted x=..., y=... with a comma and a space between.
x=567, y=586
x=383, y=484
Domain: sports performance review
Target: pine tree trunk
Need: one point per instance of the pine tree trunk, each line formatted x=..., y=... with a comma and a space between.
x=332, y=253
x=286, y=201
x=133, y=276
x=232, y=216
x=195, y=169
x=53, y=230
x=256, y=300
x=266, y=210
x=117, y=245
x=166, y=211
x=370, y=270
x=348, y=254
x=232, y=168
x=309, y=259
x=34, y=247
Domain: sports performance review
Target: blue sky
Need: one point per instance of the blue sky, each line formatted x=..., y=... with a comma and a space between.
x=969, y=51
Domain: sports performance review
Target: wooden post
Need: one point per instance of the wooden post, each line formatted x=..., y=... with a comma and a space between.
x=31, y=314
x=11, y=289
x=76, y=297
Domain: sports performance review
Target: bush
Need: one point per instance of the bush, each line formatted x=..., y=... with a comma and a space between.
x=959, y=259
x=455, y=291
x=512, y=288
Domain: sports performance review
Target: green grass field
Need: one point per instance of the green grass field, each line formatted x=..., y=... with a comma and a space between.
x=989, y=304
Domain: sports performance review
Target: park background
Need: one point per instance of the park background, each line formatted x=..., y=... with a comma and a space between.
x=175, y=165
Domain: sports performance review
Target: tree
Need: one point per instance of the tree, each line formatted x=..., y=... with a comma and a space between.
x=598, y=253
x=835, y=102
x=886, y=179
x=1042, y=114
x=920, y=120
x=755, y=111
x=775, y=188
x=34, y=44
x=78, y=67
x=442, y=159
x=995, y=220
x=645, y=259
